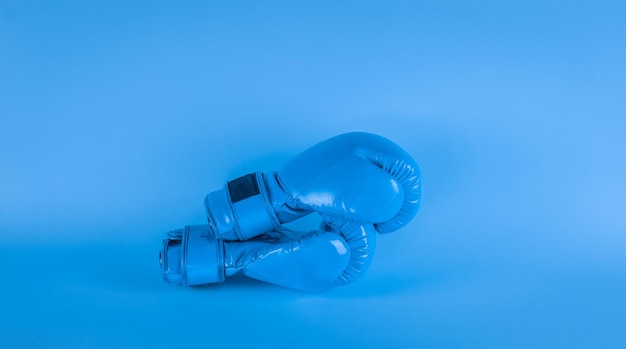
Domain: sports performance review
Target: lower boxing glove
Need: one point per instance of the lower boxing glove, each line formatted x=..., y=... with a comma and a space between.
x=357, y=176
x=307, y=262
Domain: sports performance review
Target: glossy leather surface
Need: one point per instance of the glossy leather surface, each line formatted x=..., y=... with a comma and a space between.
x=311, y=262
x=342, y=175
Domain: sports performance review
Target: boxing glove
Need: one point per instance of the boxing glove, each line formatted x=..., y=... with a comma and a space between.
x=337, y=178
x=310, y=262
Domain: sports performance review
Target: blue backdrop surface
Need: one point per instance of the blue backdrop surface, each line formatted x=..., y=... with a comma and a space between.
x=116, y=118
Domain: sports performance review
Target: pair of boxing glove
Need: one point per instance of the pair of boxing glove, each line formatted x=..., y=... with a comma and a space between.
x=360, y=184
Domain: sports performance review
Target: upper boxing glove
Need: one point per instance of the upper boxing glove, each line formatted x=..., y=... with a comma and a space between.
x=310, y=262
x=337, y=178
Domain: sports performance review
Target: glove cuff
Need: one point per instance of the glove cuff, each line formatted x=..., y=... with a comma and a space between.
x=192, y=256
x=241, y=210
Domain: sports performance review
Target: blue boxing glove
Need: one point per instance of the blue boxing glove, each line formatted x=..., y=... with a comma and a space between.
x=359, y=183
x=310, y=262
x=349, y=175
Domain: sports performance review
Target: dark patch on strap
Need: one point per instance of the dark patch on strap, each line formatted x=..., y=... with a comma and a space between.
x=243, y=187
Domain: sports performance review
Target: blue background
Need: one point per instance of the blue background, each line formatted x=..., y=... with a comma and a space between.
x=116, y=118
